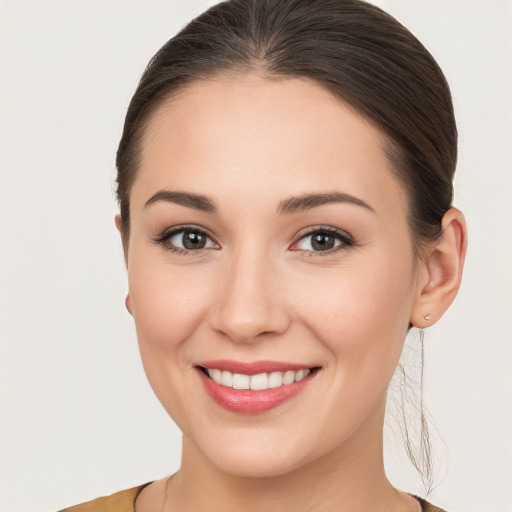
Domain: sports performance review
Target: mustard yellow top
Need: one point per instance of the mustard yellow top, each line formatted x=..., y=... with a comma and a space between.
x=124, y=501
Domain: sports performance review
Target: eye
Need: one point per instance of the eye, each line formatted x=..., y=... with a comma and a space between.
x=324, y=239
x=185, y=240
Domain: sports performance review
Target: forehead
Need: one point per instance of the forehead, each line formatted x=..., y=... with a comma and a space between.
x=248, y=136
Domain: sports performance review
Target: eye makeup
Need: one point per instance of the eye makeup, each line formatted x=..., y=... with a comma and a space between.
x=323, y=240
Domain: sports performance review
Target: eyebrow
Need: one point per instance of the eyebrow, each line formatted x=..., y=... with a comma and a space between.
x=196, y=201
x=308, y=201
x=286, y=207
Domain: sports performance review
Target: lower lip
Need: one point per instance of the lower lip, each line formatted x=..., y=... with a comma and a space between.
x=247, y=401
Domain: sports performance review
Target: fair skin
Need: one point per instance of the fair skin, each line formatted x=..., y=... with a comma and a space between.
x=261, y=290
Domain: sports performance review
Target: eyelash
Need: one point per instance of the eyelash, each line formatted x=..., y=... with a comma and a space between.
x=164, y=238
x=344, y=238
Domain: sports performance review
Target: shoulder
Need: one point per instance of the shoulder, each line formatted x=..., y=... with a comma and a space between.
x=122, y=501
x=428, y=507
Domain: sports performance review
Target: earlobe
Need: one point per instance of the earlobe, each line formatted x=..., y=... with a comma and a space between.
x=119, y=224
x=441, y=273
x=128, y=304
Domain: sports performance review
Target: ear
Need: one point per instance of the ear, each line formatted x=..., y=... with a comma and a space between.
x=119, y=223
x=128, y=304
x=440, y=272
x=119, y=226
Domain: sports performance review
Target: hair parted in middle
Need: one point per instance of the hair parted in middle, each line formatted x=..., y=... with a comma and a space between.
x=353, y=49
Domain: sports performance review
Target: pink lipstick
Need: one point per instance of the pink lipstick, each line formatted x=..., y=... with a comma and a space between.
x=255, y=387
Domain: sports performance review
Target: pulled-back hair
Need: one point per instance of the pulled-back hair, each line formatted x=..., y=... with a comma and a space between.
x=351, y=48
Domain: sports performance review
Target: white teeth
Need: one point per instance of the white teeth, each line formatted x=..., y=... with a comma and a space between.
x=215, y=374
x=256, y=382
x=275, y=379
x=226, y=379
x=259, y=381
x=288, y=377
x=301, y=374
x=241, y=381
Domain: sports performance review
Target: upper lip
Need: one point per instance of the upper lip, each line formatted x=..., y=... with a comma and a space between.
x=254, y=367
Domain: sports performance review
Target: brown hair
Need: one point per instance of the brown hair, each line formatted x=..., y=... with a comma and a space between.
x=355, y=50
x=351, y=48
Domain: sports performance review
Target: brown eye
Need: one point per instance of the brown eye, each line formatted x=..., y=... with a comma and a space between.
x=190, y=239
x=186, y=240
x=324, y=240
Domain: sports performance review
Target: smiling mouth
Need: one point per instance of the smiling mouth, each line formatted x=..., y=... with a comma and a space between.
x=254, y=387
x=257, y=382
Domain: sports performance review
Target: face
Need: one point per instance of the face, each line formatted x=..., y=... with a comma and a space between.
x=269, y=243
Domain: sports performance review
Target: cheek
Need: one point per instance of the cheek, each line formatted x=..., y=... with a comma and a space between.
x=168, y=307
x=168, y=304
x=361, y=315
x=361, y=312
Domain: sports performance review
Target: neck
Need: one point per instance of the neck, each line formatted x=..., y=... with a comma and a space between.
x=349, y=478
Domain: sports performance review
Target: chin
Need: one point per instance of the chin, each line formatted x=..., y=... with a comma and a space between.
x=257, y=466
x=255, y=456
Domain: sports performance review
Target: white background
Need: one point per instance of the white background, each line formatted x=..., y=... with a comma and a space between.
x=78, y=418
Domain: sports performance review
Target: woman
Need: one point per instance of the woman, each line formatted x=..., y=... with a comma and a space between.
x=285, y=187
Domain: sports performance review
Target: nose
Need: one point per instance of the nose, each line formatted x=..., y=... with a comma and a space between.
x=251, y=303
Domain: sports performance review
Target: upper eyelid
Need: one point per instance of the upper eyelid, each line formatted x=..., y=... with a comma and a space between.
x=309, y=231
x=163, y=240
x=346, y=237
x=187, y=227
x=305, y=232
